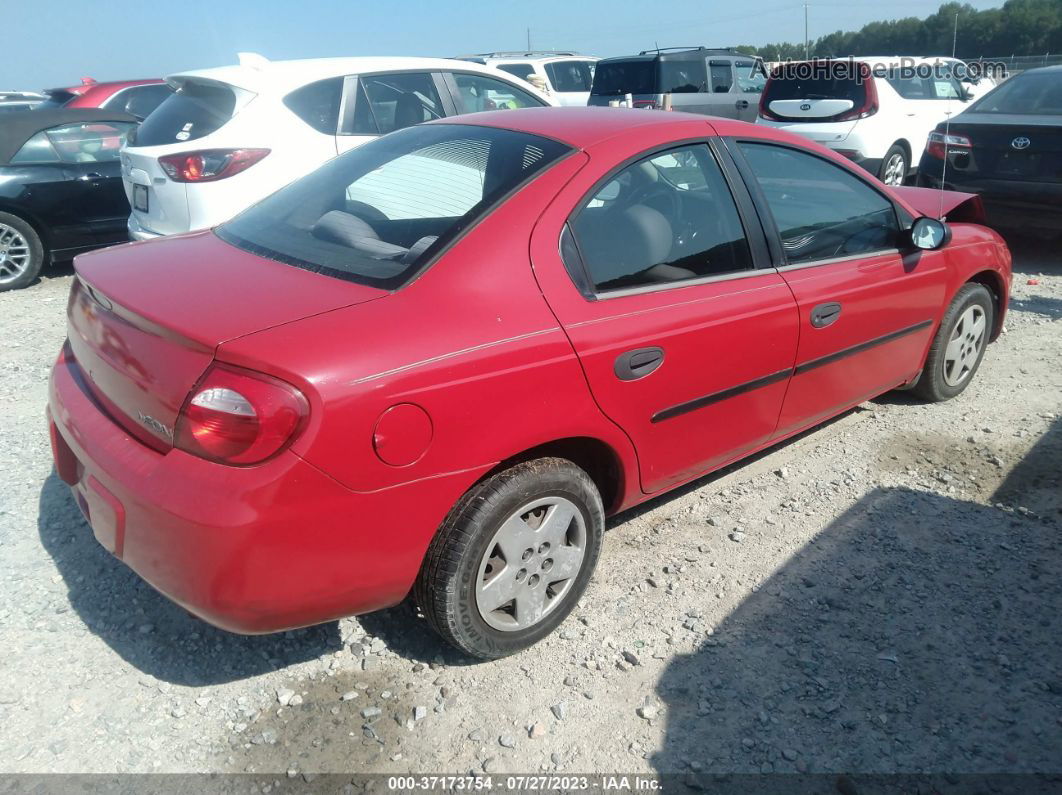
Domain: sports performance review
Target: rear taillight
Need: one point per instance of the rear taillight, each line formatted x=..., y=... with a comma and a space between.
x=209, y=165
x=239, y=417
x=940, y=144
x=765, y=112
x=870, y=99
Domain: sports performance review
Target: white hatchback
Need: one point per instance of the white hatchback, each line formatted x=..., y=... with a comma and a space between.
x=231, y=136
x=878, y=112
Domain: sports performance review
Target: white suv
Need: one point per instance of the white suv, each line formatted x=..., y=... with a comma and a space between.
x=567, y=75
x=231, y=136
x=878, y=112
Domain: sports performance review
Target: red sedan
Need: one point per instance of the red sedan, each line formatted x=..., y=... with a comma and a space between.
x=438, y=362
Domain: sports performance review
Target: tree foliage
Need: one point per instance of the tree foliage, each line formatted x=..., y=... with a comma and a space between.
x=1020, y=27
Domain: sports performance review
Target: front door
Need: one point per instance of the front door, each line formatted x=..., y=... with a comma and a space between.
x=867, y=305
x=685, y=344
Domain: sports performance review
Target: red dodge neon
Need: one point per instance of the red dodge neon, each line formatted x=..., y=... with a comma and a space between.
x=438, y=362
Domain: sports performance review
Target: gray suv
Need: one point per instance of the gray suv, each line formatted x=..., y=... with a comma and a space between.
x=715, y=82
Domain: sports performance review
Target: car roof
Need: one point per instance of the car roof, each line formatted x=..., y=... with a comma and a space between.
x=579, y=127
x=520, y=57
x=280, y=77
x=109, y=86
x=21, y=126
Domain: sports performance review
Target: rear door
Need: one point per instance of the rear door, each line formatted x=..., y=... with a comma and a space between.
x=686, y=345
x=926, y=102
x=376, y=104
x=749, y=81
x=867, y=308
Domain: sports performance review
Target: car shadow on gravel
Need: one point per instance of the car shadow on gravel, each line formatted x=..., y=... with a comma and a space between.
x=1032, y=256
x=147, y=630
x=916, y=634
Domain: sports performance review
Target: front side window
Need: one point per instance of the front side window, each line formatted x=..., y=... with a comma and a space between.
x=821, y=210
x=397, y=101
x=377, y=213
x=569, y=75
x=666, y=219
x=317, y=104
x=750, y=80
x=89, y=142
x=479, y=92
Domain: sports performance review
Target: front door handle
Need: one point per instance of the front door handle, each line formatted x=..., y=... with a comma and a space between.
x=741, y=104
x=825, y=314
x=636, y=364
x=90, y=176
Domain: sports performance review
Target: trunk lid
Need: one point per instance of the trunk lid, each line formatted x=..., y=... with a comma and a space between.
x=144, y=320
x=809, y=109
x=1009, y=148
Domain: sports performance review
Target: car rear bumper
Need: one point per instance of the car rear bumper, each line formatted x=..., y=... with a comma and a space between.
x=138, y=232
x=251, y=550
x=1009, y=204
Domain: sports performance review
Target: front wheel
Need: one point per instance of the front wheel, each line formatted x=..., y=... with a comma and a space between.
x=512, y=558
x=959, y=345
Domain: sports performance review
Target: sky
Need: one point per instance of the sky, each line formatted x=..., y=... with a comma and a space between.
x=51, y=43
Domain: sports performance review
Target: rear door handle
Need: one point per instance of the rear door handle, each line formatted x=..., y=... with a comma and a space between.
x=90, y=176
x=636, y=364
x=825, y=314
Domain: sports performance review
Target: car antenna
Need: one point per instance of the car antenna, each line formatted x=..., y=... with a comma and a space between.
x=947, y=123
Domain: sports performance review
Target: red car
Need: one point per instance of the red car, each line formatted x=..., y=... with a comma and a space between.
x=438, y=362
x=136, y=97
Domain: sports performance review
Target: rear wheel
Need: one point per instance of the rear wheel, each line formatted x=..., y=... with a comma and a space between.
x=21, y=253
x=894, y=166
x=513, y=558
x=959, y=345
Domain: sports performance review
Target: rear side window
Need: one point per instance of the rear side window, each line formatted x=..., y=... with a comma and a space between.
x=616, y=78
x=682, y=77
x=521, y=70
x=375, y=214
x=925, y=88
x=821, y=210
x=91, y=142
x=317, y=104
x=396, y=101
x=569, y=75
x=195, y=110
x=666, y=219
x=479, y=92
x=722, y=76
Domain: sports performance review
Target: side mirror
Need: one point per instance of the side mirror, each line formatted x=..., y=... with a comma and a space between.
x=929, y=234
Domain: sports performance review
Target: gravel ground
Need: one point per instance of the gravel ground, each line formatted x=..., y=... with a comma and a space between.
x=881, y=595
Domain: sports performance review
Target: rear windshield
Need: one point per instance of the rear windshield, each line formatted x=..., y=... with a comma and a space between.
x=615, y=78
x=784, y=86
x=56, y=99
x=193, y=111
x=570, y=75
x=1028, y=94
x=376, y=214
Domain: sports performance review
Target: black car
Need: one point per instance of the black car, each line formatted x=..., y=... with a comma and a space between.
x=1007, y=147
x=60, y=187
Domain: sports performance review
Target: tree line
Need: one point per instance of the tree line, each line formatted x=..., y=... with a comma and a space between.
x=1020, y=27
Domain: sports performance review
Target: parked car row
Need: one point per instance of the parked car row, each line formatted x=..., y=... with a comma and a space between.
x=213, y=142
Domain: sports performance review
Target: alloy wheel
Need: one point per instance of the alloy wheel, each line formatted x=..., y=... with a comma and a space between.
x=14, y=254
x=531, y=563
x=895, y=167
x=964, y=347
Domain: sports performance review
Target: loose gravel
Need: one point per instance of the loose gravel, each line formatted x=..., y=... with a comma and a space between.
x=880, y=595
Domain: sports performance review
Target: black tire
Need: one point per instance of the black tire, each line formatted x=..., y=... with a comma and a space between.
x=27, y=272
x=446, y=586
x=896, y=150
x=933, y=385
